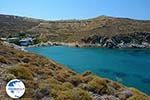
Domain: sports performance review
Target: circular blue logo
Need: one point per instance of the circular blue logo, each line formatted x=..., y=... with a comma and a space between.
x=15, y=88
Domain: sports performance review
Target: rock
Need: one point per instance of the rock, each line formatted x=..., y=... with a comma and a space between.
x=42, y=93
x=46, y=98
x=104, y=97
x=123, y=95
x=110, y=44
x=75, y=80
x=127, y=93
x=133, y=40
x=87, y=73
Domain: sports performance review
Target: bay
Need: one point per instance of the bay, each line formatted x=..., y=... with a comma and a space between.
x=130, y=67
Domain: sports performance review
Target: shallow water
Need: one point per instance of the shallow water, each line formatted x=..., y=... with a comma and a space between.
x=128, y=66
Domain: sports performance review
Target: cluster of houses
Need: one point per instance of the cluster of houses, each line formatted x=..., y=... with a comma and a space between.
x=22, y=42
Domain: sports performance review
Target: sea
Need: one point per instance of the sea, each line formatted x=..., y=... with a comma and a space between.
x=130, y=67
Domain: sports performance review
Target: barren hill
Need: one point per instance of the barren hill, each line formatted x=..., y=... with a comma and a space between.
x=100, y=30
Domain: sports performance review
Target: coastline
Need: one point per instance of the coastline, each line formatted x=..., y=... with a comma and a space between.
x=80, y=45
x=77, y=45
x=102, y=59
x=125, y=91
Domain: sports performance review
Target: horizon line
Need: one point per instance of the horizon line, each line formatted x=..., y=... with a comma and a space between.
x=71, y=19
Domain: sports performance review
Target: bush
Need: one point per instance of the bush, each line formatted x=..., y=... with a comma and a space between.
x=20, y=72
x=97, y=85
x=87, y=73
x=74, y=94
x=137, y=95
x=26, y=59
x=88, y=78
x=116, y=85
x=31, y=84
x=45, y=71
x=37, y=40
x=19, y=54
x=3, y=60
x=75, y=80
x=7, y=77
x=50, y=82
x=28, y=94
x=67, y=86
x=62, y=75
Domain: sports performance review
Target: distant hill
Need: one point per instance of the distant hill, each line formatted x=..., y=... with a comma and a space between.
x=72, y=30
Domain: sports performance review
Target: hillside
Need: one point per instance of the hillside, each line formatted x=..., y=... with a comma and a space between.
x=45, y=79
x=72, y=30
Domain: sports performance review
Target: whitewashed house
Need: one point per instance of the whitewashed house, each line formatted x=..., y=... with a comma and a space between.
x=26, y=41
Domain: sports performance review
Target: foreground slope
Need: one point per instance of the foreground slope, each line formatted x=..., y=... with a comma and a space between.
x=46, y=79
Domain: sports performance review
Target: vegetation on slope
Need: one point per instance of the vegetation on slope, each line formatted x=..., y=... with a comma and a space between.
x=71, y=30
x=45, y=79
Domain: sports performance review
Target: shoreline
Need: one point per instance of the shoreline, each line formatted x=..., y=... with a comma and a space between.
x=77, y=45
x=81, y=45
x=23, y=49
x=47, y=48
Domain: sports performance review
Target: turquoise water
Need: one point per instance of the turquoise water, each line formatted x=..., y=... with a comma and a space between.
x=128, y=66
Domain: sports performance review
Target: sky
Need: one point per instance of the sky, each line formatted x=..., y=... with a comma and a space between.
x=76, y=9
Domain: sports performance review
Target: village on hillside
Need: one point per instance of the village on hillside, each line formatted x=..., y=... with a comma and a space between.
x=21, y=39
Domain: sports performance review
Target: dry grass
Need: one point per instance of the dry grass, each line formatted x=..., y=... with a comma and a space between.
x=3, y=60
x=72, y=30
x=74, y=94
x=138, y=95
x=21, y=72
x=39, y=73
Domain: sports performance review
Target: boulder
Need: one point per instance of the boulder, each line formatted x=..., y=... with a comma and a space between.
x=42, y=93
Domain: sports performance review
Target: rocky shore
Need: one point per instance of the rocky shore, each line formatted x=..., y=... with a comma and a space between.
x=12, y=45
x=134, y=40
x=73, y=44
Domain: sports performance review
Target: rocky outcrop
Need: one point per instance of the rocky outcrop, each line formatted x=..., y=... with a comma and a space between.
x=134, y=40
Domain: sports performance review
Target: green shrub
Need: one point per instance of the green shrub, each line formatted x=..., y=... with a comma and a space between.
x=37, y=40
x=20, y=72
